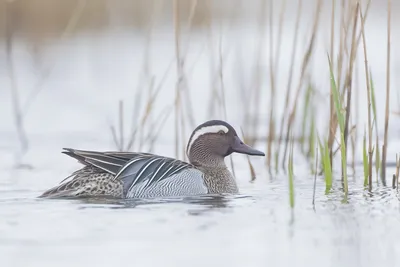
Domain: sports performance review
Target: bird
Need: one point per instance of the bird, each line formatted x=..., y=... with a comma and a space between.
x=136, y=175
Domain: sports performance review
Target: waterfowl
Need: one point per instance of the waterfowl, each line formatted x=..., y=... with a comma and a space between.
x=145, y=175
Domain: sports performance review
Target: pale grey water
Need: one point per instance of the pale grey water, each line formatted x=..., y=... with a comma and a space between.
x=78, y=101
x=256, y=228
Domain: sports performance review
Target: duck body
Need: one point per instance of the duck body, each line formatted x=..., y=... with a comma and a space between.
x=139, y=175
x=145, y=175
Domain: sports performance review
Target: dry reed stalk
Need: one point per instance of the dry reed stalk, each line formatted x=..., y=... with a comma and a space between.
x=222, y=86
x=346, y=29
x=187, y=109
x=333, y=121
x=370, y=149
x=183, y=135
x=364, y=19
x=304, y=67
x=214, y=96
x=251, y=168
x=396, y=174
x=289, y=83
x=332, y=113
x=179, y=73
x=274, y=66
x=272, y=84
x=149, y=80
x=121, y=124
x=258, y=59
x=192, y=12
x=119, y=140
x=349, y=80
x=147, y=114
x=15, y=98
x=332, y=41
x=188, y=101
x=385, y=140
x=397, y=170
x=279, y=41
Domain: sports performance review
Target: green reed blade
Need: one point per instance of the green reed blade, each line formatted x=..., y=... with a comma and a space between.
x=326, y=165
x=373, y=103
x=365, y=159
x=344, y=164
x=306, y=112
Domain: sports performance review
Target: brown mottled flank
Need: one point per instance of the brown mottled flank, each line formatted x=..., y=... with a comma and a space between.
x=88, y=182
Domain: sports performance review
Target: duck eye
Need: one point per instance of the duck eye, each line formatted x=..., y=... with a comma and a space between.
x=221, y=132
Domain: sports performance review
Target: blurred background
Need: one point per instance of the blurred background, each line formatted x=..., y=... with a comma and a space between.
x=70, y=63
x=140, y=75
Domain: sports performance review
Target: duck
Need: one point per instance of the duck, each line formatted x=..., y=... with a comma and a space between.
x=130, y=175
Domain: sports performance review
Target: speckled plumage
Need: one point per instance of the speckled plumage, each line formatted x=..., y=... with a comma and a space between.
x=87, y=182
x=219, y=180
x=144, y=175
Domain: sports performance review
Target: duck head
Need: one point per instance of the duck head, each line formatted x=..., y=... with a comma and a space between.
x=213, y=140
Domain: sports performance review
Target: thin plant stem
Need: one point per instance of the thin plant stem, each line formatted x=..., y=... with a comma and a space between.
x=258, y=75
x=121, y=125
x=370, y=152
x=289, y=83
x=332, y=116
x=315, y=178
x=385, y=140
x=272, y=85
x=179, y=74
x=222, y=86
x=349, y=77
x=15, y=97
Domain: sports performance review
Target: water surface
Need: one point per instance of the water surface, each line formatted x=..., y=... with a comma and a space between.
x=255, y=228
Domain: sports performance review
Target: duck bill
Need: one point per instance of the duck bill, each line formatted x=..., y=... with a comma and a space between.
x=242, y=148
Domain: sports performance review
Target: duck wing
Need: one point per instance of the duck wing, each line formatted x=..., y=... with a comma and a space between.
x=146, y=170
x=109, y=161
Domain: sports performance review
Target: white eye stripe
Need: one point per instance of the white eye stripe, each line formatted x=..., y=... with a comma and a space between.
x=205, y=130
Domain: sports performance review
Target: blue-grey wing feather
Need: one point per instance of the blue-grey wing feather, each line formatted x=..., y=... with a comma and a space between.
x=147, y=170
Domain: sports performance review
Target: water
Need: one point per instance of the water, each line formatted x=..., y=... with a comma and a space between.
x=256, y=228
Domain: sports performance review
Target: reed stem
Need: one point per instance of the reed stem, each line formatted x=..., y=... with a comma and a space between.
x=179, y=74
x=370, y=149
x=289, y=83
x=385, y=140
